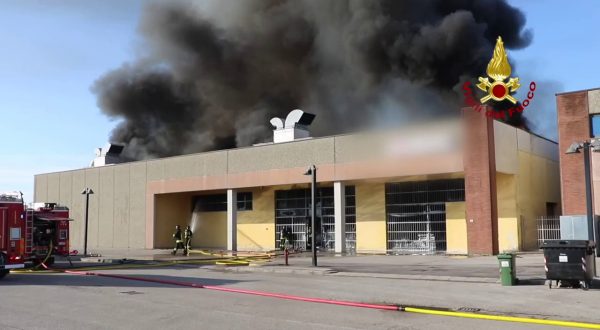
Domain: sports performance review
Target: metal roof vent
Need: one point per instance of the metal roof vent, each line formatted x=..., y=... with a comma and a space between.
x=295, y=126
x=109, y=154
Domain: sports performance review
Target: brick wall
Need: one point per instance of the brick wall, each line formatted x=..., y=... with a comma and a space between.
x=480, y=184
x=573, y=125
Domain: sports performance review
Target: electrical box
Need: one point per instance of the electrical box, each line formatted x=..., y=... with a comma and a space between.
x=574, y=227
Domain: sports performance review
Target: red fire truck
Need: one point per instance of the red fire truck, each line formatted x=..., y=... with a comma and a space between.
x=31, y=235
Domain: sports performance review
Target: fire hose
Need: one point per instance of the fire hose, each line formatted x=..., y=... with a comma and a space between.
x=222, y=260
x=408, y=309
x=237, y=260
x=419, y=310
x=48, y=255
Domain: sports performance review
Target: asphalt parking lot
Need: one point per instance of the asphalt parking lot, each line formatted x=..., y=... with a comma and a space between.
x=49, y=301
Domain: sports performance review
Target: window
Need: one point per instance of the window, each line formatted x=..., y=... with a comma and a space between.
x=244, y=201
x=595, y=123
x=218, y=202
x=15, y=233
x=211, y=203
x=63, y=234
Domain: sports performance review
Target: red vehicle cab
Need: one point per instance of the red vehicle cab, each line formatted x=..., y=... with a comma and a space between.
x=12, y=230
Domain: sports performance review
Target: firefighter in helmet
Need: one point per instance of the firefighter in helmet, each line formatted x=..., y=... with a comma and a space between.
x=187, y=238
x=285, y=238
x=178, y=241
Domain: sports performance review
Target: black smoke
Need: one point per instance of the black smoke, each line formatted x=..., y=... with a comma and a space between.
x=211, y=75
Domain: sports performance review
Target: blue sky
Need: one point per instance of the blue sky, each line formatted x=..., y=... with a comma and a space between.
x=53, y=50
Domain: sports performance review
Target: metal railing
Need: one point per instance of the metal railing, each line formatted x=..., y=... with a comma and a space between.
x=416, y=215
x=351, y=237
x=426, y=235
x=548, y=229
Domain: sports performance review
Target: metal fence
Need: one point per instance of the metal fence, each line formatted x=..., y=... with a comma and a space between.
x=548, y=229
x=416, y=215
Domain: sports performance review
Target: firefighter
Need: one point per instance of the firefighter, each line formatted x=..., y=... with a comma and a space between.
x=177, y=239
x=308, y=236
x=285, y=238
x=187, y=238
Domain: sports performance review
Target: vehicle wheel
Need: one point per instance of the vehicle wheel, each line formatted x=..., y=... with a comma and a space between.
x=3, y=272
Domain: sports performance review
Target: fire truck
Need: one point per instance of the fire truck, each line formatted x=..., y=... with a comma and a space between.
x=33, y=235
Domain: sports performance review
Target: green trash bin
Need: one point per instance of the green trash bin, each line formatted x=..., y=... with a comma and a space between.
x=508, y=269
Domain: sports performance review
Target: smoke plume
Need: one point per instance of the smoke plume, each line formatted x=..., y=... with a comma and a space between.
x=211, y=76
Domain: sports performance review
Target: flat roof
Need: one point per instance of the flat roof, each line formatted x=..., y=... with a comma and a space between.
x=267, y=144
x=578, y=91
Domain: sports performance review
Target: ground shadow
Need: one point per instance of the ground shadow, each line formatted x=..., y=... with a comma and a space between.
x=72, y=280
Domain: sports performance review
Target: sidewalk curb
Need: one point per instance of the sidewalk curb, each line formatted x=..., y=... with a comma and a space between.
x=333, y=272
x=277, y=269
x=420, y=277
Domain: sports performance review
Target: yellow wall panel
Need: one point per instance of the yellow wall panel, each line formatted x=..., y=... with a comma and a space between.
x=256, y=228
x=370, y=217
x=538, y=183
x=508, y=226
x=508, y=235
x=256, y=237
x=456, y=228
x=211, y=230
x=370, y=236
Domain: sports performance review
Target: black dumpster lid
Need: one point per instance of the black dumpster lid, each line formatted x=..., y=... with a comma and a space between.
x=568, y=244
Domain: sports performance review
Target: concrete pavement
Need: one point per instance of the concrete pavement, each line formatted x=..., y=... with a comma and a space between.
x=484, y=269
x=456, y=283
x=64, y=301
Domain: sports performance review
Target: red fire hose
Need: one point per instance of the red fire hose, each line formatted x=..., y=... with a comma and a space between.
x=348, y=303
x=250, y=292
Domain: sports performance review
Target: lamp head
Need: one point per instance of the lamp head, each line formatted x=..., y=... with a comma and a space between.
x=87, y=191
x=310, y=170
x=574, y=148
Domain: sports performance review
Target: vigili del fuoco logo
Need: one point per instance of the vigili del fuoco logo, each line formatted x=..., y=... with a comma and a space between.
x=498, y=89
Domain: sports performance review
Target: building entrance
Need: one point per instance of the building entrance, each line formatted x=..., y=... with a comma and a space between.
x=416, y=215
x=292, y=211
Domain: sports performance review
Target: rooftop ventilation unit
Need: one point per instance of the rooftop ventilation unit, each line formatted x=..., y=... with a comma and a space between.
x=107, y=155
x=295, y=126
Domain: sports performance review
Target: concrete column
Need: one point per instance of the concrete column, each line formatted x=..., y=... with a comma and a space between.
x=339, y=203
x=231, y=220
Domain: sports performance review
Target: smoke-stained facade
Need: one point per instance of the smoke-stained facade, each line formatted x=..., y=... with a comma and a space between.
x=208, y=75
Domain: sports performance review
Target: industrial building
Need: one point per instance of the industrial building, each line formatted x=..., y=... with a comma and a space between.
x=578, y=121
x=470, y=185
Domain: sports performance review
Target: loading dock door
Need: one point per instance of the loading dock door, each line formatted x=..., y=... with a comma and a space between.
x=416, y=215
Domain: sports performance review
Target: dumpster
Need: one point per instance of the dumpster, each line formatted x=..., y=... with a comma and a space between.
x=508, y=269
x=569, y=261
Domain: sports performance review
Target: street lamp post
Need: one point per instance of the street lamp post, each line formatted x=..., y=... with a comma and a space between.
x=87, y=192
x=587, y=147
x=312, y=171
